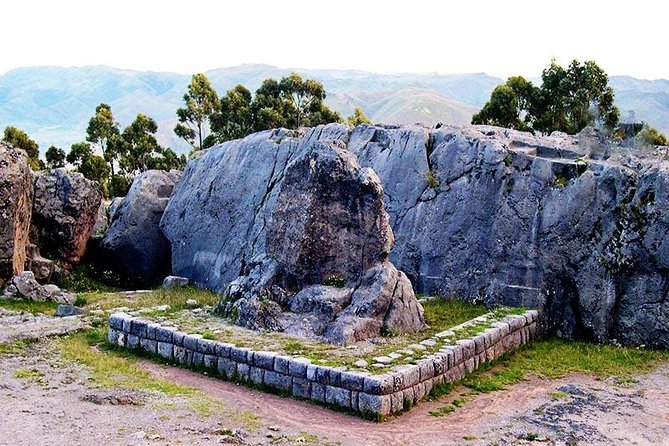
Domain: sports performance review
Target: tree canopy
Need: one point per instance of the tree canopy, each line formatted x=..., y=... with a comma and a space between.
x=358, y=117
x=567, y=100
x=201, y=103
x=19, y=139
x=291, y=102
x=55, y=157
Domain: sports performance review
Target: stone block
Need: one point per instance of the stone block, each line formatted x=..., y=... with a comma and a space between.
x=116, y=321
x=479, y=343
x=318, y=392
x=334, y=377
x=226, y=367
x=281, y=364
x=206, y=347
x=164, y=334
x=425, y=368
x=396, y=401
x=182, y=355
x=151, y=328
x=410, y=373
x=468, y=348
x=191, y=340
x=138, y=328
x=132, y=341
x=354, y=400
x=148, y=345
x=166, y=350
x=338, y=396
x=419, y=392
x=316, y=373
x=470, y=364
x=243, y=372
x=256, y=375
x=298, y=367
x=379, y=384
x=210, y=362
x=239, y=354
x=353, y=380
x=223, y=349
x=301, y=388
x=264, y=360
x=127, y=322
x=198, y=360
x=178, y=338
x=278, y=381
x=408, y=397
x=503, y=328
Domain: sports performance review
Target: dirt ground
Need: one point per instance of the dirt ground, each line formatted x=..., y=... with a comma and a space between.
x=45, y=401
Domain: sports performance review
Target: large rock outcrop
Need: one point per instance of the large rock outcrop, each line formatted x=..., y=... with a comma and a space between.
x=134, y=242
x=328, y=226
x=16, y=195
x=478, y=212
x=65, y=210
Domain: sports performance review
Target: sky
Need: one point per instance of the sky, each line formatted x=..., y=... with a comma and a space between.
x=500, y=38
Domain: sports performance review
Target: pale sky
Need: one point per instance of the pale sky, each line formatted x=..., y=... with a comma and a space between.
x=497, y=37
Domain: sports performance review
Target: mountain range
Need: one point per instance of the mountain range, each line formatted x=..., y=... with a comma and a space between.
x=53, y=104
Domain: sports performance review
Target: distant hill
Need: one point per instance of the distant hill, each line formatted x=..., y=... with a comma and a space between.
x=53, y=104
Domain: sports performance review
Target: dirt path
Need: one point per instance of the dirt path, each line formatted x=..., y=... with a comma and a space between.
x=574, y=410
x=46, y=401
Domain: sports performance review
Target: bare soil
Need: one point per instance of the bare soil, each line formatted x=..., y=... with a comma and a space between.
x=44, y=400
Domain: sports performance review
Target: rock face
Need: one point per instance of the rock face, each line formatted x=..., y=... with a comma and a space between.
x=327, y=223
x=16, y=196
x=478, y=212
x=24, y=286
x=64, y=213
x=134, y=241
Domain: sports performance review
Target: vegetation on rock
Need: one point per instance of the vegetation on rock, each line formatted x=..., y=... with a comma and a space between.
x=567, y=100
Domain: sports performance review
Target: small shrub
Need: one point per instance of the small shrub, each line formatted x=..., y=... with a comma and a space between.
x=561, y=181
x=508, y=160
x=334, y=280
x=80, y=301
x=432, y=179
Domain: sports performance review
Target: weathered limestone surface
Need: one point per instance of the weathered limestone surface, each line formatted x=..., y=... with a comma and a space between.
x=16, y=198
x=502, y=216
x=64, y=213
x=134, y=241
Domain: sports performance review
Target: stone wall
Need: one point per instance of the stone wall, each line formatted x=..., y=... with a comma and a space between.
x=361, y=392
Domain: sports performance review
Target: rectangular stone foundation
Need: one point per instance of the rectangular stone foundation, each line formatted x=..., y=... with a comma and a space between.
x=366, y=394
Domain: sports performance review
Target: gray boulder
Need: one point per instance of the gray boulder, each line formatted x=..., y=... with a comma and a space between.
x=24, y=286
x=112, y=208
x=134, y=241
x=175, y=282
x=16, y=197
x=480, y=213
x=64, y=213
x=101, y=222
x=329, y=221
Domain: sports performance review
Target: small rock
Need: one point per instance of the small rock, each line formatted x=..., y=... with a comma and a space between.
x=383, y=360
x=274, y=428
x=394, y=355
x=161, y=307
x=175, y=282
x=361, y=363
x=69, y=310
x=192, y=303
x=428, y=342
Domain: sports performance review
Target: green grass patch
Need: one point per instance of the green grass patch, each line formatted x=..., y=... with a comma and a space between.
x=174, y=297
x=15, y=347
x=555, y=358
x=441, y=314
x=558, y=395
x=29, y=306
x=442, y=411
x=87, y=277
x=31, y=374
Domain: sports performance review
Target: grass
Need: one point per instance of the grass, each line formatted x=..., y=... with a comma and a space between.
x=29, y=306
x=31, y=374
x=15, y=347
x=432, y=179
x=174, y=297
x=555, y=358
x=111, y=367
x=441, y=314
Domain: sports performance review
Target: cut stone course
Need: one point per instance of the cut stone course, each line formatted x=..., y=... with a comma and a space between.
x=361, y=392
